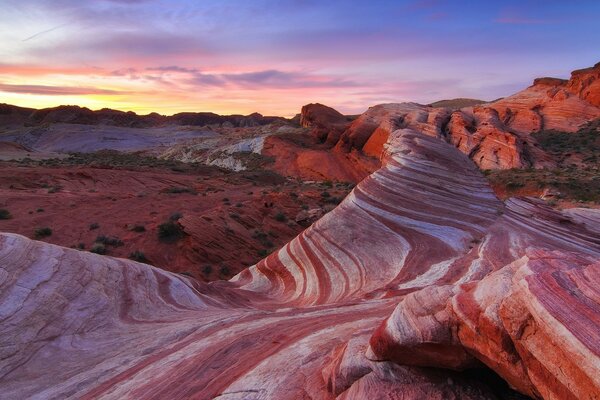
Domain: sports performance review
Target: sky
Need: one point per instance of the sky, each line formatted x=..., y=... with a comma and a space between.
x=272, y=57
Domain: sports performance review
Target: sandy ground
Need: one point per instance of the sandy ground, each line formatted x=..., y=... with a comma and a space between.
x=231, y=220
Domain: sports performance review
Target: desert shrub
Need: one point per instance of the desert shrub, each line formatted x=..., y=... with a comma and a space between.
x=514, y=185
x=98, y=248
x=138, y=228
x=43, y=232
x=304, y=206
x=207, y=269
x=239, y=205
x=109, y=240
x=175, y=216
x=94, y=225
x=333, y=200
x=224, y=270
x=281, y=217
x=5, y=214
x=179, y=189
x=138, y=256
x=325, y=194
x=262, y=253
x=169, y=231
x=81, y=245
x=40, y=210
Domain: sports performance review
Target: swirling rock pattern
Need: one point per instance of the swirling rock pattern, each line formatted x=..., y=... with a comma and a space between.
x=297, y=325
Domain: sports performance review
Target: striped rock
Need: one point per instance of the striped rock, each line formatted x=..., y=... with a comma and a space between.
x=297, y=324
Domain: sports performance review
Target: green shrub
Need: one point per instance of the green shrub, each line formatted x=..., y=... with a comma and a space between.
x=138, y=256
x=109, y=240
x=224, y=270
x=281, y=217
x=5, y=214
x=177, y=190
x=138, y=228
x=43, y=232
x=98, y=248
x=169, y=231
x=94, y=225
x=262, y=253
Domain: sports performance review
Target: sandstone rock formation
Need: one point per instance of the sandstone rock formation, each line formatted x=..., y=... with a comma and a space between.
x=326, y=123
x=519, y=277
x=495, y=135
x=419, y=274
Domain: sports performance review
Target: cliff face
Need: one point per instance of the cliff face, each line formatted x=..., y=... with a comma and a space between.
x=494, y=135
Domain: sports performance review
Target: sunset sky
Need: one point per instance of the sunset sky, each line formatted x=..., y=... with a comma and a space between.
x=241, y=56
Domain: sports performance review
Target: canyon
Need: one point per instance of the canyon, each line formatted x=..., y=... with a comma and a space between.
x=417, y=280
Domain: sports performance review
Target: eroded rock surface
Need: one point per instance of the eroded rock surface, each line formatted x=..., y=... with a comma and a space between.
x=419, y=273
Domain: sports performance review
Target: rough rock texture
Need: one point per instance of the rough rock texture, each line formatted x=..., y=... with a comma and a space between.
x=371, y=130
x=525, y=320
x=496, y=135
x=296, y=325
x=326, y=123
x=535, y=322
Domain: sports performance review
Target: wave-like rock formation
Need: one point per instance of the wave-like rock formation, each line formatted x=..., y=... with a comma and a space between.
x=453, y=277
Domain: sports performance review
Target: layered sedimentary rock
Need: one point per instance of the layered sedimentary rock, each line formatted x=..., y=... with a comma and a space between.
x=297, y=325
x=496, y=135
x=326, y=124
x=535, y=322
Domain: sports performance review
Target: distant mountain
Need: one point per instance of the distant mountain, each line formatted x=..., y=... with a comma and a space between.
x=14, y=115
x=457, y=103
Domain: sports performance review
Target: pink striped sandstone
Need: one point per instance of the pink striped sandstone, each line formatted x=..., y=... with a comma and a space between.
x=296, y=325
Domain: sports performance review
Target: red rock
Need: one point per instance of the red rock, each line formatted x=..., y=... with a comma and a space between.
x=463, y=279
x=326, y=123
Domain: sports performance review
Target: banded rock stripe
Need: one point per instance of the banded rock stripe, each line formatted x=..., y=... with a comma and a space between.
x=296, y=325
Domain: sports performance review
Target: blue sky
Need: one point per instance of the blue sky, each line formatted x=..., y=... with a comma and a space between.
x=274, y=56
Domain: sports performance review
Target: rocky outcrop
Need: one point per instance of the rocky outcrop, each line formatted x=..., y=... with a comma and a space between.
x=371, y=130
x=585, y=83
x=326, y=124
x=421, y=261
x=496, y=135
x=423, y=229
x=535, y=322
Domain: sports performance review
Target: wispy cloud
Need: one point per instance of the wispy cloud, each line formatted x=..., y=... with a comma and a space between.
x=57, y=90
